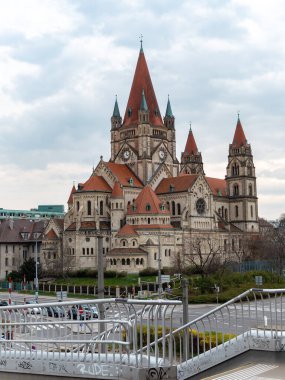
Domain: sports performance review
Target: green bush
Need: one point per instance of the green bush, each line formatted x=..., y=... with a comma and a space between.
x=121, y=274
x=148, y=272
x=110, y=274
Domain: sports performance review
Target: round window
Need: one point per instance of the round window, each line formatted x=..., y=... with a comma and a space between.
x=200, y=206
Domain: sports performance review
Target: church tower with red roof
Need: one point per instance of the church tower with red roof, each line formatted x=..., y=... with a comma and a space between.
x=191, y=158
x=241, y=183
x=143, y=140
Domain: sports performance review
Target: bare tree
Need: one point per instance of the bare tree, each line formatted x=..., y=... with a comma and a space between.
x=204, y=253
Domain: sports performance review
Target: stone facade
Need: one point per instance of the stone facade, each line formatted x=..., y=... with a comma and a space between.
x=148, y=206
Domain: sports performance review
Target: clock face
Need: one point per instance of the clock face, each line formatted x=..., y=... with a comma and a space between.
x=200, y=206
x=162, y=154
x=126, y=154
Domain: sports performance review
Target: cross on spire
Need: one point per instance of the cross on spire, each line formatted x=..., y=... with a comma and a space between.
x=141, y=41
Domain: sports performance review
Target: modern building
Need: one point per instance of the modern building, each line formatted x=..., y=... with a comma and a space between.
x=42, y=212
x=152, y=209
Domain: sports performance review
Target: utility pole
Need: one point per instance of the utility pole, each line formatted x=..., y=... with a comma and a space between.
x=185, y=317
x=36, y=279
x=100, y=291
x=159, y=268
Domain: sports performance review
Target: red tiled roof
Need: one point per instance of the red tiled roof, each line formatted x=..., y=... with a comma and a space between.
x=126, y=250
x=70, y=199
x=83, y=226
x=177, y=184
x=190, y=147
x=123, y=174
x=218, y=186
x=51, y=234
x=117, y=191
x=127, y=229
x=142, y=81
x=147, y=202
x=96, y=183
x=239, y=137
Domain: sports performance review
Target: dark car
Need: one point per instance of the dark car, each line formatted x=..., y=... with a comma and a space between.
x=55, y=311
x=3, y=303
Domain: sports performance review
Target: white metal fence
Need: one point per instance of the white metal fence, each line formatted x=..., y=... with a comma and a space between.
x=118, y=338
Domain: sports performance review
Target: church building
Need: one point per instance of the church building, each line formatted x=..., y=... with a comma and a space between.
x=148, y=206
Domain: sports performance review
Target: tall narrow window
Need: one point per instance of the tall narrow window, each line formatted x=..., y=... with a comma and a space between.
x=236, y=211
x=173, y=207
x=251, y=211
x=77, y=206
x=101, y=207
x=250, y=189
x=236, y=190
x=178, y=209
x=88, y=207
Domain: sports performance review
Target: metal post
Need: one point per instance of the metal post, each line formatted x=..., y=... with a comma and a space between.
x=185, y=317
x=100, y=268
x=100, y=291
x=36, y=279
x=159, y=268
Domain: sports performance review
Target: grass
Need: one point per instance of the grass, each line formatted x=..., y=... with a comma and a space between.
x=129, y=280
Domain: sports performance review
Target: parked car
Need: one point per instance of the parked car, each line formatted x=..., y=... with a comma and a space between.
x=94, y=312
x=55, y=311
x=3, y=303
x=33, y=310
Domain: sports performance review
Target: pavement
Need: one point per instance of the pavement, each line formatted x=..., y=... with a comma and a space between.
x=252, y=365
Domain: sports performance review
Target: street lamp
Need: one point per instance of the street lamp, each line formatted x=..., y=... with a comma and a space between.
x=36, y=279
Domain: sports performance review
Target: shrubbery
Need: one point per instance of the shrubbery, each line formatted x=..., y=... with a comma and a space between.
x=148, y=272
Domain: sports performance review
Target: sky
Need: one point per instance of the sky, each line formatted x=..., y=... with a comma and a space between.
x=62, y=62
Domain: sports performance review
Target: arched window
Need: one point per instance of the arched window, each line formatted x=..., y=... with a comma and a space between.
x=114, y=261
x=124, y=243
x=250, y=189
x=235, y=169
x=134, y=243
x=178, y=209
x=101, y=207
x=128, y=262
x=236, y=211
x=154, y=255
x=142, y=261
x=77, y=205
x=251, y=211
x=165, y=253
x=249, y=170
x=236, y=189
x=148, y=207
x=137, y=261
x=173, y=207
x=169, y=252
x=123, y=262
x=111, y=262
x=88, y=207
x=148, y=220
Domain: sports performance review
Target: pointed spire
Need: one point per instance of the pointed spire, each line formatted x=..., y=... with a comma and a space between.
x=141, y=41
x=142, y=81
x=143, y=106
x=190, y=147
x=239, y=137
x=168, y=112
x=70, y=199
x=116, y=112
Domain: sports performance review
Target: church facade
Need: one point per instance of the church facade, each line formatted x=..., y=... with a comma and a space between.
x=148, y=206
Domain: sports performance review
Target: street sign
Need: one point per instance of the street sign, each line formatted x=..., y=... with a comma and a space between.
x=61, y=295
x=164, y=278
x=258, y=280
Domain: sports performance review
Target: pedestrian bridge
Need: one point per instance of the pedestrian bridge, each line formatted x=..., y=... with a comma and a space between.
x=128, y=339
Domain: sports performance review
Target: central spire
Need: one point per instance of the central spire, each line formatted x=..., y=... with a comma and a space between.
x=142, y=82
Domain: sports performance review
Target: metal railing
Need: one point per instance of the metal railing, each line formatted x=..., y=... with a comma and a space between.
x=253, y=319
x=80, y=337
x=112, y=337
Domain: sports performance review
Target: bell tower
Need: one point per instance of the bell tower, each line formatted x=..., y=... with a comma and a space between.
x=241, y=183
x=191, y=158
x=143, y=141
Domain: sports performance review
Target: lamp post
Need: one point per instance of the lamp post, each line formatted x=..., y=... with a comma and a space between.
x=159, y=268
x=36, y=279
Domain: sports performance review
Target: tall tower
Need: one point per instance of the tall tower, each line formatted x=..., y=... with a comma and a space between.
x=143, y=141
x=191, y=158
x=116, y=122
x=241, y=183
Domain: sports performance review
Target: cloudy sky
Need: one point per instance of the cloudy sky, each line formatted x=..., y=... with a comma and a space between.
x=63, y=61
